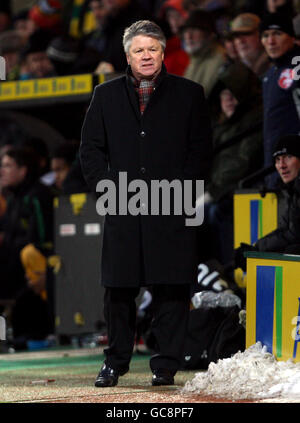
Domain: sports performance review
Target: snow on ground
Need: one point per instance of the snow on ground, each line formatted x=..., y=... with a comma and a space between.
x=252, y=374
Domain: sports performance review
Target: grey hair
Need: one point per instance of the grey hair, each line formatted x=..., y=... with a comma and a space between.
x=146, y=28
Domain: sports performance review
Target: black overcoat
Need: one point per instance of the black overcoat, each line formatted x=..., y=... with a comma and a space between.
x=171, y=140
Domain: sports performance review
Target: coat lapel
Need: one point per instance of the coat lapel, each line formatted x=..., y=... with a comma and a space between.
x=133, y=98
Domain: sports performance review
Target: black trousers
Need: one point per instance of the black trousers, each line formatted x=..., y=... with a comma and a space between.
x=170, y=318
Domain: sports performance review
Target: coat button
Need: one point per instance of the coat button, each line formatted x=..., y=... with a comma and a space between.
x=143, y=170
x=142, y=134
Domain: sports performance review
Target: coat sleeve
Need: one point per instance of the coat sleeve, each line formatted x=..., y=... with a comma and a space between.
x=199, y=150
x=93, y=151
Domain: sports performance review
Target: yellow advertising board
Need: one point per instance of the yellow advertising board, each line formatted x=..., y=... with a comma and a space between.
x=254, y=217
x=46, y=87
x=273, y=303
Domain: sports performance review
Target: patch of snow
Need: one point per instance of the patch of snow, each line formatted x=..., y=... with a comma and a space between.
x=254, y=373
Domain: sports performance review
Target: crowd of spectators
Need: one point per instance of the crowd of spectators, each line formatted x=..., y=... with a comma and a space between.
x=61, y=37
x=241, y=53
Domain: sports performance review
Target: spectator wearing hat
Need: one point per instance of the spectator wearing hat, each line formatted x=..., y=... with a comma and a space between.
x=245, y=32
x=280, y=85
x=34, y=60
x=63, y=52
x=176, y=59
x=206, y=54
x=286, y=238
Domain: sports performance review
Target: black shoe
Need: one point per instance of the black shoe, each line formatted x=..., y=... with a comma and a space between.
x=106, y=377
x=162, y=377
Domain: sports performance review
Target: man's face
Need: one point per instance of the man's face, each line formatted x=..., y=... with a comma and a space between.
x=194, y=39
x=11, y=174
x=247, y=44
x=288, y=167
x=145, y=57
x=276, y=43
x=61, y=169
x=39, y=65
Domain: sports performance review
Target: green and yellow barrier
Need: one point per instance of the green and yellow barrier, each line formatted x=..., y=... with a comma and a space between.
x=273, y=303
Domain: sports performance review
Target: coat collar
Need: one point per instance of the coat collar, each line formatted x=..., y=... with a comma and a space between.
x=133, y=98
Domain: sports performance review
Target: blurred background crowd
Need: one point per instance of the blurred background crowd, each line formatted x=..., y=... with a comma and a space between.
x=62, y=37
x=225, y=45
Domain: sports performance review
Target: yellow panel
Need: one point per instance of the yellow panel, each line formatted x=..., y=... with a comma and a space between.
x=242, y=216
x=285, y=314
x=46, y=87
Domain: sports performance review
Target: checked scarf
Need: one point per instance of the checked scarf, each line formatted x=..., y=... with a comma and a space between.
x=144, y=89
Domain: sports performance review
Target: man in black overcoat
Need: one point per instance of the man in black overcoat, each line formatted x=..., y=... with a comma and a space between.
x=151, y=126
